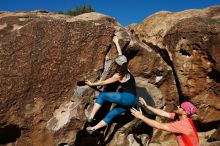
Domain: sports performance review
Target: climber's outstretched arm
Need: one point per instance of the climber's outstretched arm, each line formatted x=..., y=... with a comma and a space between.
x=157, y=111
x=116, y=41
x=114, y=78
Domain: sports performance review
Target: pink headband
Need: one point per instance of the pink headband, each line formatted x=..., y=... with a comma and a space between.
x=188, y=107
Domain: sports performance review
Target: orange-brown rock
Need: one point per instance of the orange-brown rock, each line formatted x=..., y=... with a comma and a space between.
x=191, y=38
x=42, y=56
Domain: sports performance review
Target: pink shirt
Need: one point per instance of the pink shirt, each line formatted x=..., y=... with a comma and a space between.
x=183, y=127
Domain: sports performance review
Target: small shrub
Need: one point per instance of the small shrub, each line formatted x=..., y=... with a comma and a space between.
x=80, y=10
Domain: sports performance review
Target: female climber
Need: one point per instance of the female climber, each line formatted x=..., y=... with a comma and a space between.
x=124, y=99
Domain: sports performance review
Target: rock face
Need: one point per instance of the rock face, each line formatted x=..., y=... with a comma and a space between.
x=44, y=56
x=191, y=40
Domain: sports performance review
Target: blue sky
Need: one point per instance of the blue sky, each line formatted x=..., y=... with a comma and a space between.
x=125, y=11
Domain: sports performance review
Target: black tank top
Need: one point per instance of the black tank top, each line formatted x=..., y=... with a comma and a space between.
x=129, y=85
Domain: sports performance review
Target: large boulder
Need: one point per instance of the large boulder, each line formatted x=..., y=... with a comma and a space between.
x=42, y=57
x=191, y=40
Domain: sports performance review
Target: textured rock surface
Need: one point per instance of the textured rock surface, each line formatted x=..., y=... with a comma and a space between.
x=191, y=39
x=189, y=42
x=153, y=73
x=42, y=58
